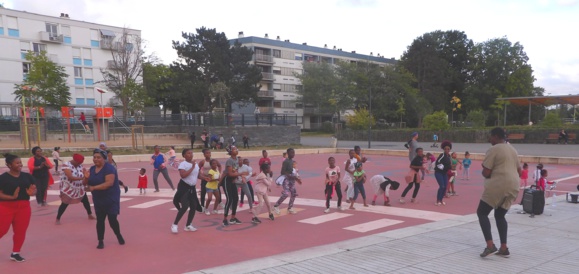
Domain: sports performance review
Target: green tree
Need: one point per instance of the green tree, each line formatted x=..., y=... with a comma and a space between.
x=361, y=119
x=476, y=117
x=552, y=120
x=123, y=76
x=206, y=58
x=45, y=84
x=436, y=121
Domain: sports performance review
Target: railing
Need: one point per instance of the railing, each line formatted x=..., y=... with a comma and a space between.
x=263, y=58
x=265, y=93
x=121, y=123
x=267, y=76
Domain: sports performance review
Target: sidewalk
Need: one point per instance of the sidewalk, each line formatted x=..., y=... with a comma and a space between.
x=548, y=243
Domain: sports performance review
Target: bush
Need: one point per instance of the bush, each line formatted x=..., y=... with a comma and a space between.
x=436, y=121
x=552, y=120
x=360, y=119
x=477, y=118
x=327, y=127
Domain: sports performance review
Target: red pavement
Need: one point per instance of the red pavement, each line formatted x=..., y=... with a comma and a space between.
x=151, y=248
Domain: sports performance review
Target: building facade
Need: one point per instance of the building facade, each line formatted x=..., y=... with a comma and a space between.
x=82, y=48
x=280, y=61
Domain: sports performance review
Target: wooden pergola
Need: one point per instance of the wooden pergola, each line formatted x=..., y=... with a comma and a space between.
x=539, y=100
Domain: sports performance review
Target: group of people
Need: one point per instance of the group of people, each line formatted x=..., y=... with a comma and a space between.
x=215, y=141
x=501, y=171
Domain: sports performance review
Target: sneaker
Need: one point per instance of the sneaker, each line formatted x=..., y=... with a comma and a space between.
x=386, y=203
x=402, y=201
x=256, y=203
x=174, y=229
x=373, y=202
x=443, y=203
x=17, y=258
x=215, y=212
x=489, y=251
x=225, y=223
x=221, y=205
x=437, y=204
x=240, y=204
x=234, y=221
x=207, y=212
x=126, y=189
x=271, y=216
x=413, y=200
x=340, y=208
x=327, y=210
x=454, y=194
x=255, y=220
x=190, y=228
x=276, y=210
x=291, y=211
x=504, y=253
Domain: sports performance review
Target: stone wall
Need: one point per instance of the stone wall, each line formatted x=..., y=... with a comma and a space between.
x=533, y=135
x=258, y=136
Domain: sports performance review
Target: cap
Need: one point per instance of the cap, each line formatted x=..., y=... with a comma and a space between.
x=414, y=134
x=78, y=158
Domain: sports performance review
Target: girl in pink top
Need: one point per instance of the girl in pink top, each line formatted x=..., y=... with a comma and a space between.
x=262, y=185
x=524, y=175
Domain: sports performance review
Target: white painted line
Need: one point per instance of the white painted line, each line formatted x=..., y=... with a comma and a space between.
x=152, y=203
x=32, y=198
x=120, y=201
x=324, y=218
x=567, y=178
x=369, y=226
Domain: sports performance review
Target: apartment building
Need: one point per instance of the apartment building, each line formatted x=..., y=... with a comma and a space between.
x=82, y=48
x=279, y=60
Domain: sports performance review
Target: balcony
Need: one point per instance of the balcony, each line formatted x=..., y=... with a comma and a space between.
x=260, y=58
x=267, y=76
x=265, y=110
x=109, y=44
x=265, y=93
x=51, y=37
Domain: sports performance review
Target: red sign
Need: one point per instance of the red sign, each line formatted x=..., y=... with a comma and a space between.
x=108, y=112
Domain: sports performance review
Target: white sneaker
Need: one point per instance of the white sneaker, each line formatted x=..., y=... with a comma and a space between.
x=190, y=228
x=402, y=201
x=291, y=211
x=327, y=210
x=207, y=212
x=221, y=205
x=276, y=209
x=340, y=208
x=215, y=212
x=174, y=229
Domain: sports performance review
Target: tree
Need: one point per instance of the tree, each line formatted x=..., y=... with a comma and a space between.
x=552, y=120
x=45, y=84
x=360, y=120
x=476, y=117
x=207, y=58
x=124, y=76
x=436, y=121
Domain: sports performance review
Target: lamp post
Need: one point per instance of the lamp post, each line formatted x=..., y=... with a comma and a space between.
x=369, y=117
x=102, y=91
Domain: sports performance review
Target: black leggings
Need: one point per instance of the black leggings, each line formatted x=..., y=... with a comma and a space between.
x=100, y=225
x=41, y=188
x=231, y=196
x=185, y=199
x=63, y=207
x=416, y=189
x=328, y=192
x=55, y=165
x=250, y=191
x=203, y=191
x=483, y=212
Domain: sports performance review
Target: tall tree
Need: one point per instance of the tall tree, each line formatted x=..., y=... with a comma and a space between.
x=45, y=83
x=124, y=75
x=207, y=57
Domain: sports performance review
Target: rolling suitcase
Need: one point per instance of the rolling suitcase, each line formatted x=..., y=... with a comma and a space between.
x=533, y=201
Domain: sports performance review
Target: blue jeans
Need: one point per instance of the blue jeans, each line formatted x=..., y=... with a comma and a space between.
x=442, y=180
x=359, y=188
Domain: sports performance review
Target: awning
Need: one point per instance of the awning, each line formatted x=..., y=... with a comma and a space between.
x=109, y=33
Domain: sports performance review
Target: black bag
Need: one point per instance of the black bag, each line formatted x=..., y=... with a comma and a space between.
x=533, y=201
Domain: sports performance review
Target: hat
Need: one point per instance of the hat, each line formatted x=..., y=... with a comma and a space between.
x=103, y=144
x=78, y=158
x=414, y=134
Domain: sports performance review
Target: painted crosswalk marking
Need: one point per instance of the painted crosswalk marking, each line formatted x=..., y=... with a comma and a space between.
x=152, y=203
x=324, y=218
x=373, y=225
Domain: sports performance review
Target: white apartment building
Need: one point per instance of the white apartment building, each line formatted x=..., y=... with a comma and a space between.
x=82, y=48
x=279, y=60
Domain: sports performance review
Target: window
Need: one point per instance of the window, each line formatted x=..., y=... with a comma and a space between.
x=37, y=47
x=24, y=48
x=76, y=52
x=277, y=70
x=86, y=53
x=277, y=53
x=298, y=56
x=287, y=54
x=12, y=24
x=52, y=29
x=276, y=104
x=94, y=35
x=65, y=30
x=277, y=87
x=77, y=72
x=25, y=67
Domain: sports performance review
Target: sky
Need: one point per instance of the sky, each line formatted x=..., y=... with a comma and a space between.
x=547, y=29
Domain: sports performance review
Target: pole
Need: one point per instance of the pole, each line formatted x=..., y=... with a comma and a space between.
x=529, y=112
x=25, y=122
x=38, y=124
x=103, y=115
x=370, y=118
x=505, y=115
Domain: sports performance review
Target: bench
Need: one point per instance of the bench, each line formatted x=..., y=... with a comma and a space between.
x=555, y=137
x=515, y=136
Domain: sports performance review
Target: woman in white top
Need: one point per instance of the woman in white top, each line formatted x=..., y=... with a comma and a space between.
x=71, y=187
x=349, y=174
x=56, y=158
x=186, y=195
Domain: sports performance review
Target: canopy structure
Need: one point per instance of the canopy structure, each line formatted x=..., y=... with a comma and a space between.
x=539, y=100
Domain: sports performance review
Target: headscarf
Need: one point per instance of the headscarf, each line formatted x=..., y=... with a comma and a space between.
x=102, y=152
x=78, y=158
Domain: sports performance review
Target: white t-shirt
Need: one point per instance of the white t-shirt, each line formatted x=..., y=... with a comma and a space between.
x=192, y=178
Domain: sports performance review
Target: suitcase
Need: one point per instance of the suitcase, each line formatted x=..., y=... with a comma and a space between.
x=533, y=201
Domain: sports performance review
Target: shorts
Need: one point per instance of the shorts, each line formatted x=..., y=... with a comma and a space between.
x=84, y=123
x=211, y=190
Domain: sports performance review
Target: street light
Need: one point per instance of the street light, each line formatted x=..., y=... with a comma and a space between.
x=102, y=91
